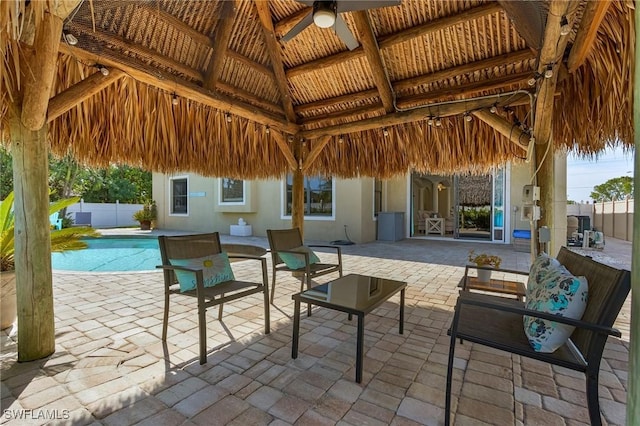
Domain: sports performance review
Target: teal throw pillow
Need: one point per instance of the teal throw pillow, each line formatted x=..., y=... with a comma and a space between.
x=216, y=269
x=540, y=267
x=296, y=261
x=560, y=293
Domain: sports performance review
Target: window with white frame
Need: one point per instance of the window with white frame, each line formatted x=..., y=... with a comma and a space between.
x=318, y=196
x=232, y=191
x=179, y=196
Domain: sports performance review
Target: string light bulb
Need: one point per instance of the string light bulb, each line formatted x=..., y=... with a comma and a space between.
x=468, y=117
x=228, y=117
x=104, y=70
x=385, y=132
x=174, y=100
x=267, y=130
x=70, y=39
x=340, y=139
x=493, y=109
x=532, y=81
x=438, y=122
x=430, y=121
x=565, y=28
x=548, y=73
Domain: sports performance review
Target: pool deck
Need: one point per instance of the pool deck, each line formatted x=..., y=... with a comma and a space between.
x=111, y=368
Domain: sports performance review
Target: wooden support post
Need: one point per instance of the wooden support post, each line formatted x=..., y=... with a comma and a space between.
x=297, y=202
x=34, y=288
x=633, y=395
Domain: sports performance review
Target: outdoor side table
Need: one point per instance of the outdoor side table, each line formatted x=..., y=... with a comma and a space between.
x=354, y=294
x=515, y=288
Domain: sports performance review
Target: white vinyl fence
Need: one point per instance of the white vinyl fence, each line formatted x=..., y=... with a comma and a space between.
x=105, y=215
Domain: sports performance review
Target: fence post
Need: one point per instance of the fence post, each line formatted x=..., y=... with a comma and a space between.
x=117, y=204
x=81, y=204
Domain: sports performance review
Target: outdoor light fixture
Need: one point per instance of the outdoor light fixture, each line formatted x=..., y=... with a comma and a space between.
x=532, y=81
x=493, y=109
x=438, y=122
x=385, y=132
x=565, y=28
x=267, y=130
x=548, y=73
x=228, y=117
x=430, y=121
x=174, y=100
x=340, y=139
x=324, y=13
x=71, y=39
x=468, y=117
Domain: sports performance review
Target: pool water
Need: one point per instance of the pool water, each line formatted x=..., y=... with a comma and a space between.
x=110, y=255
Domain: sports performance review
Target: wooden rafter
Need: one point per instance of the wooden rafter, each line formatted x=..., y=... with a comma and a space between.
x=250, y=63
x=283, y=144
x=285, y=25
x=372, y=53
x=79, y=92
x=250, y=97
x=410, y=116
x=220, y=44
x=318, y=146
x=463, y=90
x=469, y=68
x=513, y=132
x=422, y=80
x=592, y=17
x=162, y=80
x=147, y=54
x=273, y=48
x=325, y=119
x=399, y=37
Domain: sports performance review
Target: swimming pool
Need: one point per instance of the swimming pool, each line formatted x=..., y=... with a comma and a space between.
x=110, y=255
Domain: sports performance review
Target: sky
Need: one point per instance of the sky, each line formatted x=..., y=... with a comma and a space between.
x=583, y=174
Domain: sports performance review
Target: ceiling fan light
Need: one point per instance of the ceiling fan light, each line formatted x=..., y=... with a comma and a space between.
x=324, y=14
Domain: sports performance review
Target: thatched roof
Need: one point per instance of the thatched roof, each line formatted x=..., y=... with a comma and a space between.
x=475, y=190
x=253, y=106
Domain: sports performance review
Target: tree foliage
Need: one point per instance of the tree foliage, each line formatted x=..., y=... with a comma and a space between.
x=614, y=189
x=67, y=178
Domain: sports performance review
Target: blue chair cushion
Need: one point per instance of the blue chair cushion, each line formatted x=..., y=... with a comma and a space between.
x=296, y=261
x=216, y=269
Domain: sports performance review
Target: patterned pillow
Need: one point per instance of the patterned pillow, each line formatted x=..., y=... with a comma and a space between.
x=215, y=270
x=558, y=293
x=539, y=268
x=296, y=261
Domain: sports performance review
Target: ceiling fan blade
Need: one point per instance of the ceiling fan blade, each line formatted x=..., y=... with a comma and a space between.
x=351, y=5
x=345, y=34
x=306, y=21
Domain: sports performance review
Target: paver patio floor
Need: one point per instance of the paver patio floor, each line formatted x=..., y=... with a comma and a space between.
x=110, y=366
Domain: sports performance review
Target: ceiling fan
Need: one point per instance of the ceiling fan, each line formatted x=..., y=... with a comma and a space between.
x=326, y=14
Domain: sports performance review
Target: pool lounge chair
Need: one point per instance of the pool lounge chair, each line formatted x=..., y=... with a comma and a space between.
x=55, y=221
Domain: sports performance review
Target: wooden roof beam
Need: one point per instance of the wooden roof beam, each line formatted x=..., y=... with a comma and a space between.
x=72, y=96
x=594, y=13
x=273, y=48
x=147, y=74
x=147, y=54
x=409, y=116
x=372, y=52
x=471, y=67
x=318, y=146
x=325, y=119
x=465, y=89
x=250, y=97
x=250, y=63
x=220, y=44
x=399, y=37
x=285, y=25
x=511, y=131
x=281, y=141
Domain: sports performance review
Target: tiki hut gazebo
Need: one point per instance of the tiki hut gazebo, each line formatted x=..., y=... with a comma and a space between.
x=191, y=85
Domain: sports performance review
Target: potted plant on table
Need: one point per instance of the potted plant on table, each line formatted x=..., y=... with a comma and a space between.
x=484, y=260
x=146, y=215
x=61, y=240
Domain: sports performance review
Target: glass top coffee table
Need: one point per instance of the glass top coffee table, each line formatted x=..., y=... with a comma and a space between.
x=354, y=294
